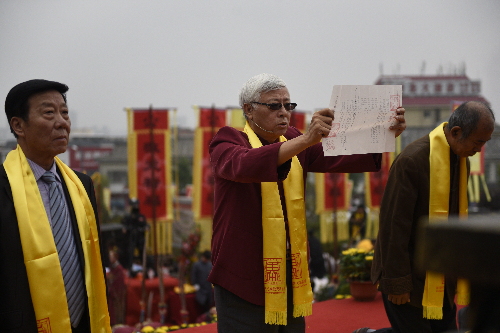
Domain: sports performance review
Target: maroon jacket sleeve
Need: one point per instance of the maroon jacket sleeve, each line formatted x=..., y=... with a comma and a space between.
x=232, y=158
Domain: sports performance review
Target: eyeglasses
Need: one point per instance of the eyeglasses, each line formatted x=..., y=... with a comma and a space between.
x=278, y=106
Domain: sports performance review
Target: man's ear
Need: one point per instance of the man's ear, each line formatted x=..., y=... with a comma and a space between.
x=247, y=109
x=456, y=132
x=17, y=125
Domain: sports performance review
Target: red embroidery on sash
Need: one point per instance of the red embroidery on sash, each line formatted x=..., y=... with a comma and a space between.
x=296, y=270
x=298, y=279
x=272, y=267
x=43, y=325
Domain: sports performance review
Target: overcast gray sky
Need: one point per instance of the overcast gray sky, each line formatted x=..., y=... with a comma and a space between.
x=117, y=54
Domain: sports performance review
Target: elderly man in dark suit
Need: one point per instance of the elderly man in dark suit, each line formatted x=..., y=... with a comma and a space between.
x=428, y=179
x=50, y=261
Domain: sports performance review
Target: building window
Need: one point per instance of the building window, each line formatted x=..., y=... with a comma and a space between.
x=425, y=88
x=413, y=87
x=464, y=88
x=451, y=87
x=475, y=87
x=427, y=113
x=437, y=87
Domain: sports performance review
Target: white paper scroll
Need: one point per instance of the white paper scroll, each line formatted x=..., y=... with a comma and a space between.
x=363, y=115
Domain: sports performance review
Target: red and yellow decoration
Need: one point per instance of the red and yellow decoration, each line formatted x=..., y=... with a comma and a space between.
x=210, y=120
x=333, y=195
x=374, y=190
x=149, y=164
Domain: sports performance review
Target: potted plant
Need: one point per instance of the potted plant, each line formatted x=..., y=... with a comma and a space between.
x=355, y=267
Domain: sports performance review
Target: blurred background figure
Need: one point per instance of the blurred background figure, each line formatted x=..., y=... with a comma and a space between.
x=317, y=267
x=199, y=275
x=117, y=290
x=357, y=225
x=134, y=229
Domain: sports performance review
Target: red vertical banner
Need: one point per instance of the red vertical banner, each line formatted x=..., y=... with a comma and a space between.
x=335, y=191
x=151, y=171
x=376, y=181
x=333, y=197
x=210, y=121
x=298, y=120
x=143, y=119
x=212, y=118
x=149, y=164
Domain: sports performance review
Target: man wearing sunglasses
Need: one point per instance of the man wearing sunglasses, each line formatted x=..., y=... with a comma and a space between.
x=259, y=244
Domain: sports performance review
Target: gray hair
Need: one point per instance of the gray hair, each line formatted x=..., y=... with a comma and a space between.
x=467, y=117
x=262, y=83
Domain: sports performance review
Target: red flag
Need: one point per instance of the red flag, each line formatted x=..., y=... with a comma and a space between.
x=298, y=120
x=376, y=181
x=210, y=120
x=212, y=117
x=333, y=192
x=143, y=118
x=149, y=161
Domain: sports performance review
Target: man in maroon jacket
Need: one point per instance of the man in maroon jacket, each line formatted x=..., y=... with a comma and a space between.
x=239, y=170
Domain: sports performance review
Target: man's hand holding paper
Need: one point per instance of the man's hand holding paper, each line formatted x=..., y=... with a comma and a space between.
x=320, y=126
x=400, y=124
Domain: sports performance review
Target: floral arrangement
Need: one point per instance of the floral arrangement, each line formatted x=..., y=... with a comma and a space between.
x=189, y=247
x=165, y=329
x=356, y=264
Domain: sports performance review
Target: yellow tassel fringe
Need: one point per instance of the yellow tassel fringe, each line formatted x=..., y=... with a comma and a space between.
x=276, y=317
x=433, y=312
x=302, y=310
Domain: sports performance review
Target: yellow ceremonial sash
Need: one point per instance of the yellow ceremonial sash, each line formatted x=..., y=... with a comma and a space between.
x=439, y=197
x=40, y=254
x=274, y=234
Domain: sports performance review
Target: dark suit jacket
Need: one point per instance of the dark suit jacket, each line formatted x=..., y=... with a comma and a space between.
x=16, y=308
x=404, y=205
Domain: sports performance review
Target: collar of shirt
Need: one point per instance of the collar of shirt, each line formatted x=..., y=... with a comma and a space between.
x=38, y=171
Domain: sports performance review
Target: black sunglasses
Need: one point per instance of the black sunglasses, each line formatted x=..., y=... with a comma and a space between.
x=278, y=106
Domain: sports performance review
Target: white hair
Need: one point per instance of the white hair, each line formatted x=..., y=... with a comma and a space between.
x=262, y=83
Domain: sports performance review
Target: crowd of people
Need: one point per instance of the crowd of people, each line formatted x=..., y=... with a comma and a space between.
x=262, y=267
